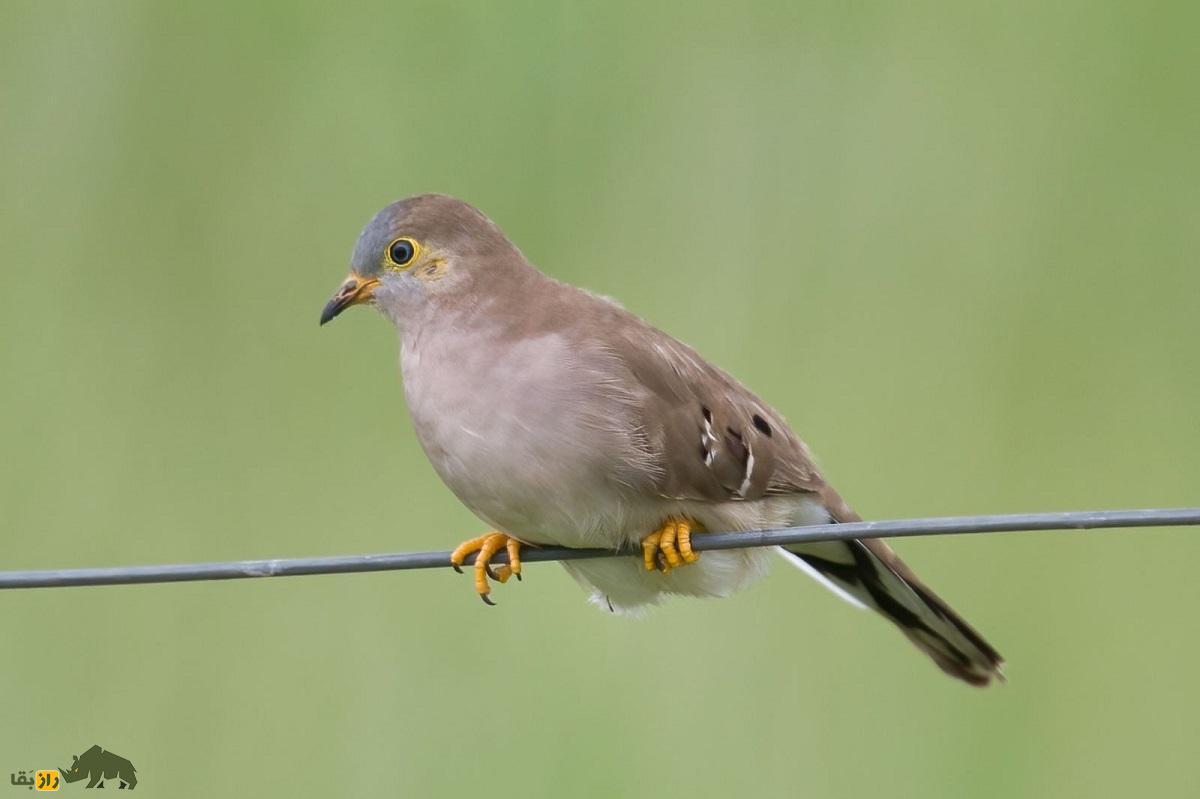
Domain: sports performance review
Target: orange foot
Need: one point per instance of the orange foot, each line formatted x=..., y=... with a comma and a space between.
x=487, y=545
x=670, y=545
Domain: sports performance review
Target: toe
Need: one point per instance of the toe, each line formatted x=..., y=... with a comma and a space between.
x=649, y=550
x=667, y=544
x=513, y=547
x=481, y=581
x=489, y=547
x=459, y=555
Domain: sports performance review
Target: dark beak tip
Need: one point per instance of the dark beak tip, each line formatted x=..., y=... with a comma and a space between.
x=330, y=311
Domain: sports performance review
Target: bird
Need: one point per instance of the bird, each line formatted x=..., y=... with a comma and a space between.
x=560, y=418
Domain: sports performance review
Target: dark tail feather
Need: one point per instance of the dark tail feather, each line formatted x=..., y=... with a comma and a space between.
x=868, y=572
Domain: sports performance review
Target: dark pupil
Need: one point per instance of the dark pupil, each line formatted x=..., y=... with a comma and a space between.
x=402, y=252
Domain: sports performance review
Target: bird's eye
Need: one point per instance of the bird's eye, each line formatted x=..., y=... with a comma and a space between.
x=401, y=251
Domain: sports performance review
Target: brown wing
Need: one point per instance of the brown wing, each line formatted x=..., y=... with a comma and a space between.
x=713, y=438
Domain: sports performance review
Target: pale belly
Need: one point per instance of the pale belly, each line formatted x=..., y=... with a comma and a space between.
x=536, y=450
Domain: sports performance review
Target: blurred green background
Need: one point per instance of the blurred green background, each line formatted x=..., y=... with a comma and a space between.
x=954, y=244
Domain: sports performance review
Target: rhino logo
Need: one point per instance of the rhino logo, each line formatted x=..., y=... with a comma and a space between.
x=98, y=765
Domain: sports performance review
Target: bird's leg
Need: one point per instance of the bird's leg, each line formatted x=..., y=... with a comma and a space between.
x=488, y=545
x=670, y=545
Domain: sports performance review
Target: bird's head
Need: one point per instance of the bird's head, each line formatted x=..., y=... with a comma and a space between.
x=421, y=248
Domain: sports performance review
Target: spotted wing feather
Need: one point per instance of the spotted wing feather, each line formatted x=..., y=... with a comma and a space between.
x=716, y=441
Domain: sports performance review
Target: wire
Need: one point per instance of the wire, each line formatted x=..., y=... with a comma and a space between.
x=344, y=564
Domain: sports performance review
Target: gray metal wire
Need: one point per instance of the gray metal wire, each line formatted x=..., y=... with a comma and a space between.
x=343, y=564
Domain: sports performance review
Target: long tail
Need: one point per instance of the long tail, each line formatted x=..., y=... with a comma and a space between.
x=868, y=573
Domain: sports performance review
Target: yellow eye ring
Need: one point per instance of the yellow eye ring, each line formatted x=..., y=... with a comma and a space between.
x=403, y=251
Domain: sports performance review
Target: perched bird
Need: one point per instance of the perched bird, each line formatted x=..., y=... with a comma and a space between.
x=560, y=418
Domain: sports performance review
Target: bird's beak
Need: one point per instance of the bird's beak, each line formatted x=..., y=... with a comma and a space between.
x=354, y=291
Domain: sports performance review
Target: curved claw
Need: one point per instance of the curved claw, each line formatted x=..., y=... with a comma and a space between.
x=487, y=601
